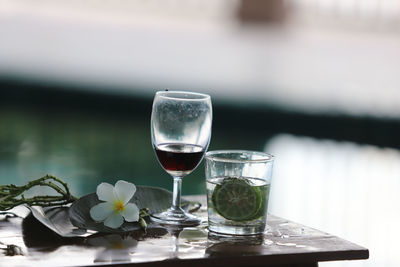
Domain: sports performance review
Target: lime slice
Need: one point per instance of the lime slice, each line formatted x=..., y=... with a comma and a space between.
x=235, y=199
x=262, y=211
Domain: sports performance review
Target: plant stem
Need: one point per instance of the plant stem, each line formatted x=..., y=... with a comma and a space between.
x=12, y=195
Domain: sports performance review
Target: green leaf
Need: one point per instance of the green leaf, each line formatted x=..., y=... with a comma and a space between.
x=153, y=198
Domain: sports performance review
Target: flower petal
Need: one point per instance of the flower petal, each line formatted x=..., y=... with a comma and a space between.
x=124, y=191
x=115, y=220
x=131, y=213
x=106, y=192
x=101, y=211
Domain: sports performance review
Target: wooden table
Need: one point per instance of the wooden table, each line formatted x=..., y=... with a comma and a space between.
x=285, y=244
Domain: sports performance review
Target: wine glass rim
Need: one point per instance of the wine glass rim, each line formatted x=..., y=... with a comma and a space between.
x=216, y=155
x=174, y=95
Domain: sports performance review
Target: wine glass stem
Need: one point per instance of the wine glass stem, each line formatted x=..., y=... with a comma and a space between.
x=176, y=200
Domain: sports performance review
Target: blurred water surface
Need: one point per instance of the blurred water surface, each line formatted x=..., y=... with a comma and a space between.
x=83, y=149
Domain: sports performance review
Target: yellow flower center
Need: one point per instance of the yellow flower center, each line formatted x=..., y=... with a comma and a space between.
x=119, y=206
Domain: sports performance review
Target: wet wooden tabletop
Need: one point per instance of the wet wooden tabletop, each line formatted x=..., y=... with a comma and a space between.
x=285, y=244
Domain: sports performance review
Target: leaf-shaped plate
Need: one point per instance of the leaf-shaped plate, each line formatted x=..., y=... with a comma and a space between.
x=154, y=198
x=57, y=220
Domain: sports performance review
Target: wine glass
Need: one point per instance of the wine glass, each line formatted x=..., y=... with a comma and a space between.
x=180, y=134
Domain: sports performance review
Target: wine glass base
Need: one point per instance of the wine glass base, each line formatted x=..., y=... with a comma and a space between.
x=175, y=217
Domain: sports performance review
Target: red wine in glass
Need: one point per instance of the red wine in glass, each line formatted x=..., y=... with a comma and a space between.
x=179, y=159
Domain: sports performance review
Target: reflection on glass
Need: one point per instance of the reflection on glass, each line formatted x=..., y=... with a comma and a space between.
x=227, y=246
x=114, y=248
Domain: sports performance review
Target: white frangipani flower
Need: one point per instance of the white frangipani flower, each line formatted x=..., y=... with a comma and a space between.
x=116, y=207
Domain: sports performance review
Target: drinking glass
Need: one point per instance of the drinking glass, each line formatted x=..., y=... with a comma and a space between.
x=238, y=184
x=180, y=134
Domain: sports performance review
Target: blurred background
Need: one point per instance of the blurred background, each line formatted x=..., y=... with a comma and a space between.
x=314, y=82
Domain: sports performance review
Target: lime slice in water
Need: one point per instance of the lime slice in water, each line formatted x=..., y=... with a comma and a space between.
x=235, y=199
